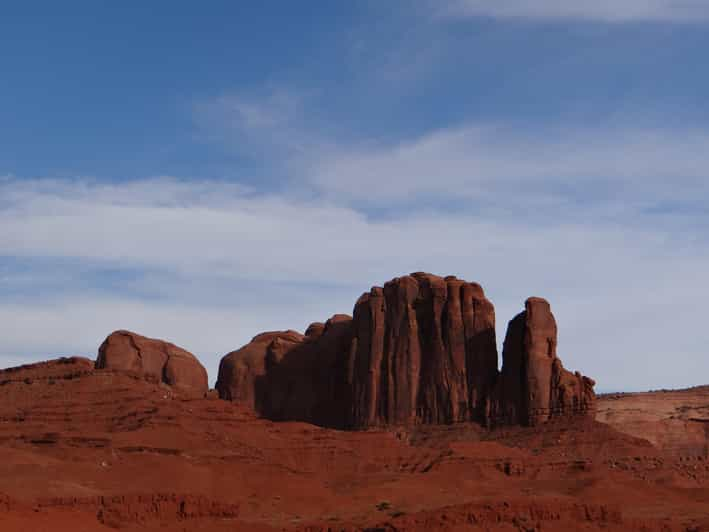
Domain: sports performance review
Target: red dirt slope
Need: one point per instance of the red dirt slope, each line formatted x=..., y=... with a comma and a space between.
x=96, y=450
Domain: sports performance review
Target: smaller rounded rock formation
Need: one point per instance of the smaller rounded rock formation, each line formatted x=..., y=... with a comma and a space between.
x=154, y=359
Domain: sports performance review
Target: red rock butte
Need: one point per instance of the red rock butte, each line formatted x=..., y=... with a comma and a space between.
x=420, y=350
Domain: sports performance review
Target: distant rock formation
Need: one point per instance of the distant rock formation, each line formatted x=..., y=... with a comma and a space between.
x=676, y=421
x=156, y=359
x=50, y=370
x=422, y=349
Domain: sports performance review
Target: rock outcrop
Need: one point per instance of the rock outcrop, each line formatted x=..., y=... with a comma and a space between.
x=534, y=386
x=50, y=370
x=154, y=359
x=420, y=350
x=285, y=375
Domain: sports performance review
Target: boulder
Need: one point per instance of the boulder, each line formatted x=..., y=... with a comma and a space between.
x=154, y=359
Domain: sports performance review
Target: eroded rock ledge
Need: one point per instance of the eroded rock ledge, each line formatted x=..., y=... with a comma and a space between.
x=422, y=349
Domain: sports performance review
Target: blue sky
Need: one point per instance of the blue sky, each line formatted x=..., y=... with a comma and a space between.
x=204, y=173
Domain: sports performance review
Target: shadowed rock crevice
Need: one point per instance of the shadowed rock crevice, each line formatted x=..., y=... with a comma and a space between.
x=419, y=350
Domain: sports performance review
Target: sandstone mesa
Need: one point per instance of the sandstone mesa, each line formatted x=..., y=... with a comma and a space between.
x=420, y=350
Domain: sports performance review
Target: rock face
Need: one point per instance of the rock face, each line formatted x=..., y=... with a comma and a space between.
x=534, y=386
x=420, y=350
x=285, y=375
x=156, y=359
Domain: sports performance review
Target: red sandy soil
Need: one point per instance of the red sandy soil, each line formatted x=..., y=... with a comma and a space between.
x=95, y=450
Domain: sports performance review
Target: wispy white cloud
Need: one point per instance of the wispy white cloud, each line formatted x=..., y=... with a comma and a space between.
x=493, y=164
x=501, y=162
x=608, y=222
x=598, y=10
x=620, y=291
x=269, y=237
x=256, y=124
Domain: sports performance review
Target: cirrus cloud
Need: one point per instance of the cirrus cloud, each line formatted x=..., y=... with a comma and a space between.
x=600, y=10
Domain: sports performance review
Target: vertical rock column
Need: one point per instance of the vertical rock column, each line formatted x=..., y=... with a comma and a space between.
x=478, y=315
x=540, y=344
x=366, y=353
x=534, y=385
x=441, y=384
